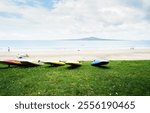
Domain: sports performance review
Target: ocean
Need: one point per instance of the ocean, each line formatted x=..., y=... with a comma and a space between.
x=36, y=45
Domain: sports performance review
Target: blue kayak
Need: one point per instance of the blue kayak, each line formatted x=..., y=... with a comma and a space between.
x=98, y=62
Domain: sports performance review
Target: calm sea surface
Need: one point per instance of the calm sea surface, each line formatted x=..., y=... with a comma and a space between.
x=47, y=44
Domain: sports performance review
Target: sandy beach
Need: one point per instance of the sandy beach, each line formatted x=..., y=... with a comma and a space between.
x=83, y=55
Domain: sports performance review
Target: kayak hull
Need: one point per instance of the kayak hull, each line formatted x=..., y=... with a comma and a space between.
x=55, y=63
x=10, y=62
x=74, y=63
x=31, y=63
x=99, y=62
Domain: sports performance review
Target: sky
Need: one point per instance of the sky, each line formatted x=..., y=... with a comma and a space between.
x=70, y=19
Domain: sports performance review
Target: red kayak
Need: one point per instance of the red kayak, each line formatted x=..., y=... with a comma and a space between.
x=11, y=62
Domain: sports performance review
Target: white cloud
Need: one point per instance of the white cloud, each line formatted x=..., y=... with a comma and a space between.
x=146, y=3
x=75, y=19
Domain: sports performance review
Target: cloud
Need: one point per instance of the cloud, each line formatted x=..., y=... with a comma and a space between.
x=10, y=15
x=41, y=19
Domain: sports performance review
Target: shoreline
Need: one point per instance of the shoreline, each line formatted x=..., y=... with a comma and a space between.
x=81, y=54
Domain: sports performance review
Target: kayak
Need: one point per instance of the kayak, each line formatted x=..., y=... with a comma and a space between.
x=10, y=62
x=73, y=63
x=31, y=63
x=98, y=62
x=55, y=63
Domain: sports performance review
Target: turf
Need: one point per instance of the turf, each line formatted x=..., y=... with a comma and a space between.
x=128, y=78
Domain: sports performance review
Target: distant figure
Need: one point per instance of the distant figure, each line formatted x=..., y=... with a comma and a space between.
x=132, y=48
x=8, y=49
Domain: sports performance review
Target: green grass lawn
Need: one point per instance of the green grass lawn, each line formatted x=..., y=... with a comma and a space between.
x=117, y=78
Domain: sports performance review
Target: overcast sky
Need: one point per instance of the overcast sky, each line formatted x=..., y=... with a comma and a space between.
x=66, y=19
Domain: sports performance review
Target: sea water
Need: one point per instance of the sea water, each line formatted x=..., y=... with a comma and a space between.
x=36, y=45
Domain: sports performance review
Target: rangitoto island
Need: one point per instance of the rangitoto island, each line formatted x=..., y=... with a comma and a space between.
x=91, y=39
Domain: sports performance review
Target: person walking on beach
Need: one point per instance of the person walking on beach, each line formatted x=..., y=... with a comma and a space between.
x=8, y=49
